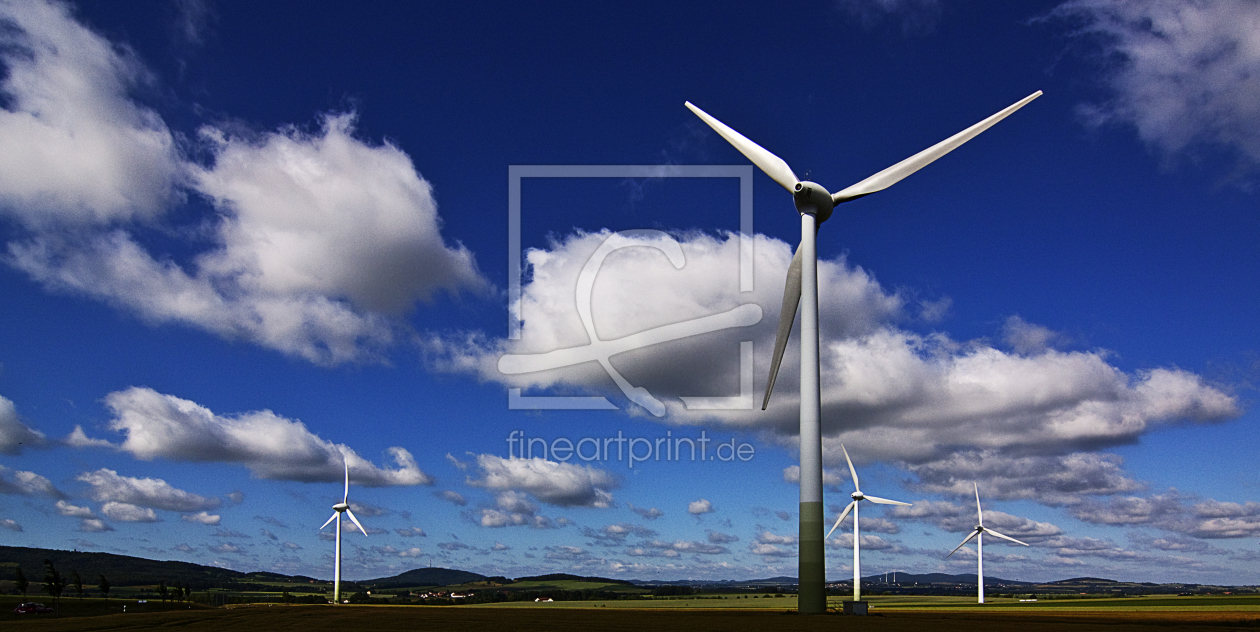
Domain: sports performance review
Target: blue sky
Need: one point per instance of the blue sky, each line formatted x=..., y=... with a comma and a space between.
x=243, y=240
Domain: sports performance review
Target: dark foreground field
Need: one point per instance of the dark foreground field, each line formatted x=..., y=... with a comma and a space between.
x=410, y=619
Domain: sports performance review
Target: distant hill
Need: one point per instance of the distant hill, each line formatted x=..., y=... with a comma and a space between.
x=120, y=570
x=557, y=577
x=427, y=577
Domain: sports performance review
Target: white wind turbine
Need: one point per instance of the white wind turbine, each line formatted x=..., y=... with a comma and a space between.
x=815, y=204
x=978, y=534
x=338, y=509
x=858, y=497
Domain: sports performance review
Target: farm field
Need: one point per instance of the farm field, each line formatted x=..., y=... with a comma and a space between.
x=689, y=615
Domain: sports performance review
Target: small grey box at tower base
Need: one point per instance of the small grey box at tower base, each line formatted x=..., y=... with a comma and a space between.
x=855, y=607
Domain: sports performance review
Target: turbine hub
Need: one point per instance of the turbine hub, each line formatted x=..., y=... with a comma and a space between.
x=341, y=507
x=812, y=199
x=857, y=496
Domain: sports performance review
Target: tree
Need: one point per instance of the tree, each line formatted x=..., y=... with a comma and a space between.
x=19, y=582
x=104, y=587
x=187, y=592
x=162, y=590
x=77, y=582
x=54, y=583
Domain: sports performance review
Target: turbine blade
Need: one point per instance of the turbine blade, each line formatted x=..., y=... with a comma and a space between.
x=852, y=471
x=787, y=314
x=334, y=517
x=843, y=514
x=895, y=173
x=773, y=165
x=356, y=521
x=346, y=496
x=979, y=512
x=1004, y=537
x=973, y=534
x=885, y=501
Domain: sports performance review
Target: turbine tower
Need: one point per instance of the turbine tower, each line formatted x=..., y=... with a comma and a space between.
x=815, y=205
x=338, y=509
x=858, y=497
x=978, y=534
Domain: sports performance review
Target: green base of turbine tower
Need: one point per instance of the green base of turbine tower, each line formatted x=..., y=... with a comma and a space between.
x=812, y=581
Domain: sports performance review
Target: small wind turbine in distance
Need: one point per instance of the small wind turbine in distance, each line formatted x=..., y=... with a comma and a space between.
x=815, y=204
x=978, y=534
x=338, y=509
x=858, y=497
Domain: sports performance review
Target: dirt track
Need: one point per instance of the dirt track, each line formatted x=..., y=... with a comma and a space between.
x=410, y=619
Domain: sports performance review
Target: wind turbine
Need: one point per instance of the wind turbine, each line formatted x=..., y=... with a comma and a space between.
x=815, y=204
x=338, y=509
x=858, y=497
x=978, y=534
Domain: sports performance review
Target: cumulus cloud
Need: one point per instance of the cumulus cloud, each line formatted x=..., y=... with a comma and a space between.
x=1216, y=519
x=108, y=486
x=699, y=507
x=717, y=537
x=551, y=482
x=11, y=525
x=1186, y=71
x=127, y=512
x=960, y=518
x=24, y=483
x=844, y=541
x=271, y=446
x=1162, y=510
x=74, y=149
x=927, y=401
x=15, y=435
x=616, y=534
x=1054, y=480
x=66, y=509
x=322, y=241
x=203, y=517
x=411, y=532
x=93, y=525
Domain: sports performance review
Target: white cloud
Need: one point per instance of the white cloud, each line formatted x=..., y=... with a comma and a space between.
x=66, y=509
x=698, y=507
x=844, y=541
x=126, y=512
x=1188, y=71
x=24, y=483
x=15, y=435
x=890, y=394
x=559, y=484
x=1055, y=480
x=271, y=446
x=323, y=241
x=11, y=525
x=79, y=439
x=1218, y=519
x=411, y=532
x=202, y=517
x=765, y=537
x=1163, y=510
x=73, y=147
x=328, y=214
x=93, y=525
x=226, y=547
x=108, y=486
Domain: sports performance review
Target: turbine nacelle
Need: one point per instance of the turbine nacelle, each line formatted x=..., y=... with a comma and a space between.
x=858, y=495
x=340, y=507
x=812, y=199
